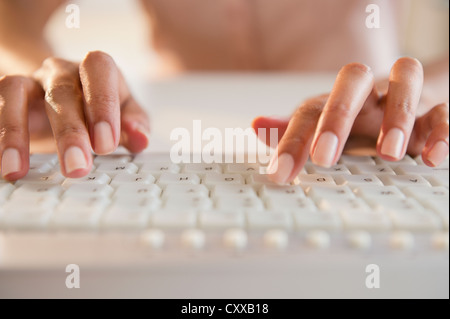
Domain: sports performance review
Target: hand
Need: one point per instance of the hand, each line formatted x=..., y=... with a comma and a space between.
x=86, y=106
x=394, y=111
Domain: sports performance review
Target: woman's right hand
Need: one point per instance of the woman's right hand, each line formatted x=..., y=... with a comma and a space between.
x=87, y=106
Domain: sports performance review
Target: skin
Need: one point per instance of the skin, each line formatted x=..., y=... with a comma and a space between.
x=68, y=100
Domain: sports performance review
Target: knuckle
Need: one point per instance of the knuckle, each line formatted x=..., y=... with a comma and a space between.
x=52, y=63
x=310, y=109
x=294, y=142
x=10, y=129
x=11, y=83
x=339, y=109
x=70, y=130
x=103, y=103
x=57, y=92
x=406, y=109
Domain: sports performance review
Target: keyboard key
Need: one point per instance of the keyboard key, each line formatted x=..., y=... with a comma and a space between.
x=166, y=219
x=37, y=190
x=440, y=207
x=34, y=213
x=379, y=192
x=113, y=158
x=354, y=181
x=202, y=169
x=290, y=204
x=337, y=169
x=113, y=169
x=420, y=170
x=258, y=180
x=269, y=220
x=125, y=217
x=279, y=192
x=404, y=180
x=41, y=178
x=405, y=160
x=170, y=178
x=174, y=190
x=5, y=190
x=216, y=179
x=239, y=203
x=124, y=178
x=315, y=180
x=438, y=180
x=316, y=220
x=182, y=204
x=244, y=169
x=92, y=178
x=343, y=204
x=425, y=193
x=367, y=169
x=229, y=189
x=221, y=220
x=156, y=169
x=355, y=219
x=137, y=190
x=318, y=193
x=79, y=213
x=88, y=190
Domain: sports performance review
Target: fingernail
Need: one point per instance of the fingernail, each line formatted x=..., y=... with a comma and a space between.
x=11, y=162
x=326, y=148
x=438, y=153
x=393, y=143
x=74, y=159
x=103, y=138
x=280, y=168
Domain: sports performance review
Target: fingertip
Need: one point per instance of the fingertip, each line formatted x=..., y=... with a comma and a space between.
x=436, y=155
x=14, y=164
x=135, y=136
x=76, y=163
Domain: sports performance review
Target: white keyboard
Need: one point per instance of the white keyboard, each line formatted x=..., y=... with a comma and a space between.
x=145, y=205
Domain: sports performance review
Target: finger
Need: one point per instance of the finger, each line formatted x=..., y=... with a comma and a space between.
x=100, y=82
x=14, y=135
x=135, y=127
x=267, y=123
x=292, y=151
x=405, y=87
x=430, y=136
x=113, y=115
x=353, y=86
x=64, y=107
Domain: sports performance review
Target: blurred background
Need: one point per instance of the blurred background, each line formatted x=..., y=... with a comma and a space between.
x=122, y=29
